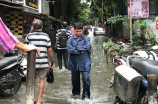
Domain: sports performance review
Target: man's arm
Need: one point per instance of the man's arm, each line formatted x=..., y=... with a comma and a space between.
x=70, y=48
x=57, y=37
x=56, y=42
x=50, y=53
x=86, y=45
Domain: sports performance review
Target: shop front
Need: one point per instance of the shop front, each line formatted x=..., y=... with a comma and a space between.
x=11, y=14
x=30, y=12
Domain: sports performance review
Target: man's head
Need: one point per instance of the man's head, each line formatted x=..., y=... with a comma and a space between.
x=78, y=29
x=85, y=27
x=37, y=24
x=64, y=24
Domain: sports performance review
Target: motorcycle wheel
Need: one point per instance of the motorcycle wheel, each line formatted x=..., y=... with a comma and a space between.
x=142, y=98
x=11, y=92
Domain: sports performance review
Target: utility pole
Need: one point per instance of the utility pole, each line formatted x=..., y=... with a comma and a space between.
x=30, y=82
x=131, y=22
x=102, y=12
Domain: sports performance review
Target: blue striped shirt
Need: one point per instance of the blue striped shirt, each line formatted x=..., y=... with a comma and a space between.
x=42, y=41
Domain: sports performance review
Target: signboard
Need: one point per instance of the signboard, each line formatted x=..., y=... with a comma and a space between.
x=156, y=23
x=140, y=8
x=32, y=3
x=44, y=7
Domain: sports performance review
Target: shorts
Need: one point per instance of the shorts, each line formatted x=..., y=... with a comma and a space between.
x=42, y=73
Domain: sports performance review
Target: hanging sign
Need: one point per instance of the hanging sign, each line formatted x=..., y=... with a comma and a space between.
x=140, y=8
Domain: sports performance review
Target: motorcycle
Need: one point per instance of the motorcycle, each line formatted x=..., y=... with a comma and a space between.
x=10, y=71
x=23, y=64
x=130, y=80
x=149, y=54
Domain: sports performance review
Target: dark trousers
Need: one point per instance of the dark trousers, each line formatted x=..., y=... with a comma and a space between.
x=75, y=77
x=64, y=53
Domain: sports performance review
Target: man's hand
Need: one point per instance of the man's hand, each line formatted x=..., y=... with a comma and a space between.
x=53, y=66
x=32, y=29
x=32, y=47
x=82, y=52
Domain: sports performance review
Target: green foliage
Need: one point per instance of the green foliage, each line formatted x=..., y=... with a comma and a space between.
x=72, y=10
x=152, y=39
x=83, y=16
x=141, y=39
x=110, y=45
x=114, y=19
x=107, y=44
x=84, y=13
x=108, y=5
x=141, y=23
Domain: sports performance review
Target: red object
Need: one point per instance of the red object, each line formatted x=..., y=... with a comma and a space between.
x=126, y=37
x=119, y=40
x=156, y=24
x=118, y=62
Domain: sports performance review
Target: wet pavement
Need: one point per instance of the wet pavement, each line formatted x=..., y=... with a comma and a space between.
x=60, y=91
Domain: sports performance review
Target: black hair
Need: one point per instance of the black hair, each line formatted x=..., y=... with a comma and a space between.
x=37, y=24
x=78, y=26
x=64, y=24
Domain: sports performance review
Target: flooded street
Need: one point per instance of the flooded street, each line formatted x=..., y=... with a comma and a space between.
x=60, y=91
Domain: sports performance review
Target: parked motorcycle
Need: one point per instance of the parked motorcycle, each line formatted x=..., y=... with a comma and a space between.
x=149, y=54
x=130, y=80
x=10, y=79
x=23, y=64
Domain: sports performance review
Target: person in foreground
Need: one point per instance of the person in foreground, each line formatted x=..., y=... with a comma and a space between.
x=8, y=41
x=79, y=62
x=42, y=41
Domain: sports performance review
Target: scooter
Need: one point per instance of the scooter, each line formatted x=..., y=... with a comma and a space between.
x=10, y=79
x=150, y=54
x=23, y=64
x=130, y=80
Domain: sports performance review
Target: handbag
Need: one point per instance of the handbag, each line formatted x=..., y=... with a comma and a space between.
x=55, y=49
x=50, y=76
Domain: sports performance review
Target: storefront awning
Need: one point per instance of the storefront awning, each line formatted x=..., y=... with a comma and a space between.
x=30, y=10
x=53, y=18
x=45, y=16
x=12, y=6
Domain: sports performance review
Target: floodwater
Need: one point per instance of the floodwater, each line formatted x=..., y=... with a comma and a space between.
x=60, y=91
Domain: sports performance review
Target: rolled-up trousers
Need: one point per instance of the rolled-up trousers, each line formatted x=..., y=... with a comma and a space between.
x=75, y=77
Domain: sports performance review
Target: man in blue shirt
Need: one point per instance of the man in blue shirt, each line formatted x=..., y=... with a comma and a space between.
x=79, y=61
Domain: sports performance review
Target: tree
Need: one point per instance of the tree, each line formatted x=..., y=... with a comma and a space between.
x=72, y=10
x=108, y=6
x=84, y=13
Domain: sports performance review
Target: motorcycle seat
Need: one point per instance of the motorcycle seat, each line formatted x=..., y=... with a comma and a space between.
x=7, y=61
x=145, y=67
x=124, y=58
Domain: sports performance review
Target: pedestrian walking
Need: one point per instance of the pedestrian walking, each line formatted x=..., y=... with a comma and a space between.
x=42, y=41
x=62, y=36
x=79, y=61
x=85, y=31
x=8, y=41
x=72, y=31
